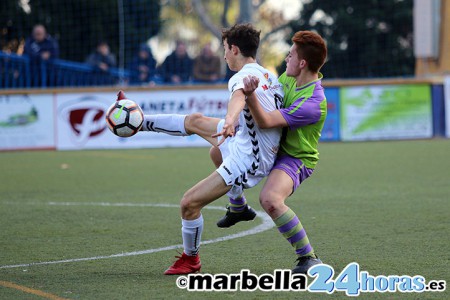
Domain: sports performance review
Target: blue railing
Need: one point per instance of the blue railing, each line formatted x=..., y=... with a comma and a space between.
x=14, y=71
x=19, y=72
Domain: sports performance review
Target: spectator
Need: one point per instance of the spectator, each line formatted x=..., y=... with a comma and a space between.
x=206, y=66
x=143, y=66
x=41, y=48
x=101, y=59
x=177, y=67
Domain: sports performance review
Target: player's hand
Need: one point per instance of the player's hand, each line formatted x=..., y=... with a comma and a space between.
x=228, y=130
x=103, y=66
x=45, y=55
x=250, y=84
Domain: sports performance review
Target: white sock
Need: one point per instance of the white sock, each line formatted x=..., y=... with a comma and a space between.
x=191, y=231
x=172, y=124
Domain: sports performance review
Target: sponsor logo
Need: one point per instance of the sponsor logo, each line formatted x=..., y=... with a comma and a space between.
x=17, y=111
x=269, y=84
x=117, y=114
x=85, y=117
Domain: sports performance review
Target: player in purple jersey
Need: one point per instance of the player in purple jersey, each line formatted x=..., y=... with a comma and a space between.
x=302, y=118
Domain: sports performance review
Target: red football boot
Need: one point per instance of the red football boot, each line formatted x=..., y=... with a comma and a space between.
x=184, y=265
x=121, y=95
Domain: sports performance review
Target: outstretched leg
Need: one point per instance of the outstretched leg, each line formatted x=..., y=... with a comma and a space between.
x=182, y=125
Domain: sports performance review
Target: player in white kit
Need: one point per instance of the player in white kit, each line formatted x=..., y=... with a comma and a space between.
x=248, y=153
x=252, y=151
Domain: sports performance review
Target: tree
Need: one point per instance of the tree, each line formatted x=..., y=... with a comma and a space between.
x=12, y=25
x=246, y=10
x=364, y=38
x=184, y=18
x=78, y=25
x=246, y=14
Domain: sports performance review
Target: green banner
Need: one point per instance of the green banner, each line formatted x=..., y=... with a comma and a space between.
x=386, y=112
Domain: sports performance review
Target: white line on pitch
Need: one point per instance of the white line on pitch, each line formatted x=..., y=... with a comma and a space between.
x=266, y=225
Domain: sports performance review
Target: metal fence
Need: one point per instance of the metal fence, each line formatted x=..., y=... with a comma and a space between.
x=18, y=72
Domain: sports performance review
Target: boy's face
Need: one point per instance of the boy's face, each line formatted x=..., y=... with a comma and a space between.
x=228, y=55
x=293, y=63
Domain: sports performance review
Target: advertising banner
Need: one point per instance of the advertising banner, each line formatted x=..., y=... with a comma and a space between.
x=81, y=118
x=447, y=105
x=330, y=131
x=385, y=112
x=27, y=122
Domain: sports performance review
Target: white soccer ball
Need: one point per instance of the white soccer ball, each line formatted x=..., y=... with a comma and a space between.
x=124, y=118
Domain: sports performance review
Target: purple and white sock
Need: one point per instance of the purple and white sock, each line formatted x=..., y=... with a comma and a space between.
x=238, y=205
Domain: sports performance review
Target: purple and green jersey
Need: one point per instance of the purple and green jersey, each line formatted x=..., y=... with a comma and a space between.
x=305, y=110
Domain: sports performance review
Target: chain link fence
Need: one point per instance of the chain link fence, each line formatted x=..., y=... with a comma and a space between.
x=152, y=42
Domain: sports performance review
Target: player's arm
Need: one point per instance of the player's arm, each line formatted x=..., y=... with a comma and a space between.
x=298, y=114
x=235, y=106
x=262, y=118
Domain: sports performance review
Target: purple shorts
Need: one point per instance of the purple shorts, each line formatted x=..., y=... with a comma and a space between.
x=294, y=167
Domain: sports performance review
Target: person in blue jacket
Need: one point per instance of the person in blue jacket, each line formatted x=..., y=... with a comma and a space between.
x=177, y=67
x=143, y=66
x=41, y=48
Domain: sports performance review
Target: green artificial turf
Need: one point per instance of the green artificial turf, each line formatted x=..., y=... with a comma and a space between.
x=384, y=205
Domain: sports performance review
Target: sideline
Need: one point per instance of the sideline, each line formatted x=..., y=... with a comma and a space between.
x=30, y=290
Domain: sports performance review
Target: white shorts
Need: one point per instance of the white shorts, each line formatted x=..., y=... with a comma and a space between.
x=235, y=167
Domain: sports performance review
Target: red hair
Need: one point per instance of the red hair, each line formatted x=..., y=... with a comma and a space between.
x=310, y=47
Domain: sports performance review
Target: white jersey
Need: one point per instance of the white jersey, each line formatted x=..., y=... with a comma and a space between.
x=252, y=146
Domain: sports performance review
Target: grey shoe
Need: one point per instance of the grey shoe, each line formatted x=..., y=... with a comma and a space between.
x=304, y=263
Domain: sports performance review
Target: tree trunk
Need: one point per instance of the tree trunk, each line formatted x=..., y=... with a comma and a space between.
x=246, y=11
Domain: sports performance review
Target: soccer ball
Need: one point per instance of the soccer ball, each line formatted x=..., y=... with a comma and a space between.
x=124, y=118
